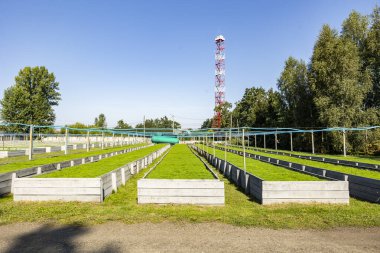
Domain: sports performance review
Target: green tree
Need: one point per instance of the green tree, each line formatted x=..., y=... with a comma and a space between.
x=207, y=123
x=355, y=28
x=163, y=122
x=75, y=125
x=252, y=109
x=31, y=99
x=100, y=121
x=122, y=125
x=225, y=113
x=372, y=58
x=296, y=94
x=337, y=81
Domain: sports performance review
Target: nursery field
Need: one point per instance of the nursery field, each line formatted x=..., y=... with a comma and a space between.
x=22, y=162
x=180, y=163
x=103, y=166
x=238, y=210
x=371, y=159
x=322, y=165
x=263, y=170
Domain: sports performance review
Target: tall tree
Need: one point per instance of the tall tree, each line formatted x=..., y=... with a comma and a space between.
x=373, y=58
x=31, y=99
x=355, y=28
x=122, y=125
x=296, y=94
x=100, y=121
x=251, y=109
x=163, y=122
x=225, y=112
x=336, y=79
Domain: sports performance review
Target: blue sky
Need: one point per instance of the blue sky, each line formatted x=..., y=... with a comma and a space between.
x=128, y=59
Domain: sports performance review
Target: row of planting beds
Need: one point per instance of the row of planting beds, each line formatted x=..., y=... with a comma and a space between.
x=334, y=167
x=360, y=187
x=181, y=178
x=55, y=163
x=270, y=184
x=87, y=182
x=42, y=150
x=355, y=162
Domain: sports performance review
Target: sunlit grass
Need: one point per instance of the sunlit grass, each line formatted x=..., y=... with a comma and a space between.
x=180, y=163
x=103, y=166
x=22, y=162
x=328, y=166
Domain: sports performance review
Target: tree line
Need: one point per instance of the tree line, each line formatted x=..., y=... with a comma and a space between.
x=338, y=87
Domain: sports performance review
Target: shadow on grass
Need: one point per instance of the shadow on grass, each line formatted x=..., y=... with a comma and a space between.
x=49, y=238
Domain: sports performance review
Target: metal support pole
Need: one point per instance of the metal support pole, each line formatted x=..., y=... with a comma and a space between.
x=312, y=142
x=225, y=148
x=230, y=127
x=66, y=140
x=88, y=141
x=275, y=141
x=245, y=167
x=291, y=141
x=102, y=140
x=344, y=143
x=265, y=144
x=213, y=142
x=207, y=143
x=31, y=143
x=113, y=139
x=144, y=128
x=255, y=141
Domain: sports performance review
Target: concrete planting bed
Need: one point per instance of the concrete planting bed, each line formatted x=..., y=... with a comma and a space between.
x=181, y=178
x=79, y=189
x=363, y=188
x=275, y=192
x=6, y=179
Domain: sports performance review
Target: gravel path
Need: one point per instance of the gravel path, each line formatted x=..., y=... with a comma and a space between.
x=178, y=237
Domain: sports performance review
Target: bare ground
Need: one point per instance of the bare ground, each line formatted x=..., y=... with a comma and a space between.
x=182, y=237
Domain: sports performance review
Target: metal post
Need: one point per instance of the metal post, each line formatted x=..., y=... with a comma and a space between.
x=102, y=140
x=206, y=143
x=88, y=141
x=113, y=139
x=291, y=141
x=225, y=148
x=31, y=143
x=66, y=140
x=245, y=168
x=265, y=144
x=275, y=140
x=312, y=142
x=230, y=128
x=213, y=142
x=144, y=128
x=344, y=143
x=255, y=141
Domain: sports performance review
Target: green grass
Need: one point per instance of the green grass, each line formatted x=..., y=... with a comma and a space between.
x=103, y=166
x=328, y=166
x=363, y=159
x=180, y=163
x=239, y=210
x=22, y=162
x=264, y=170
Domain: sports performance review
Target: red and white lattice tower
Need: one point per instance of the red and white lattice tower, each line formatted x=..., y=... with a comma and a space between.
x=219, y=80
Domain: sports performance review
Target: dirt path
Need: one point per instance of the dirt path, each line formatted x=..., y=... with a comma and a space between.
x=174, y=237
